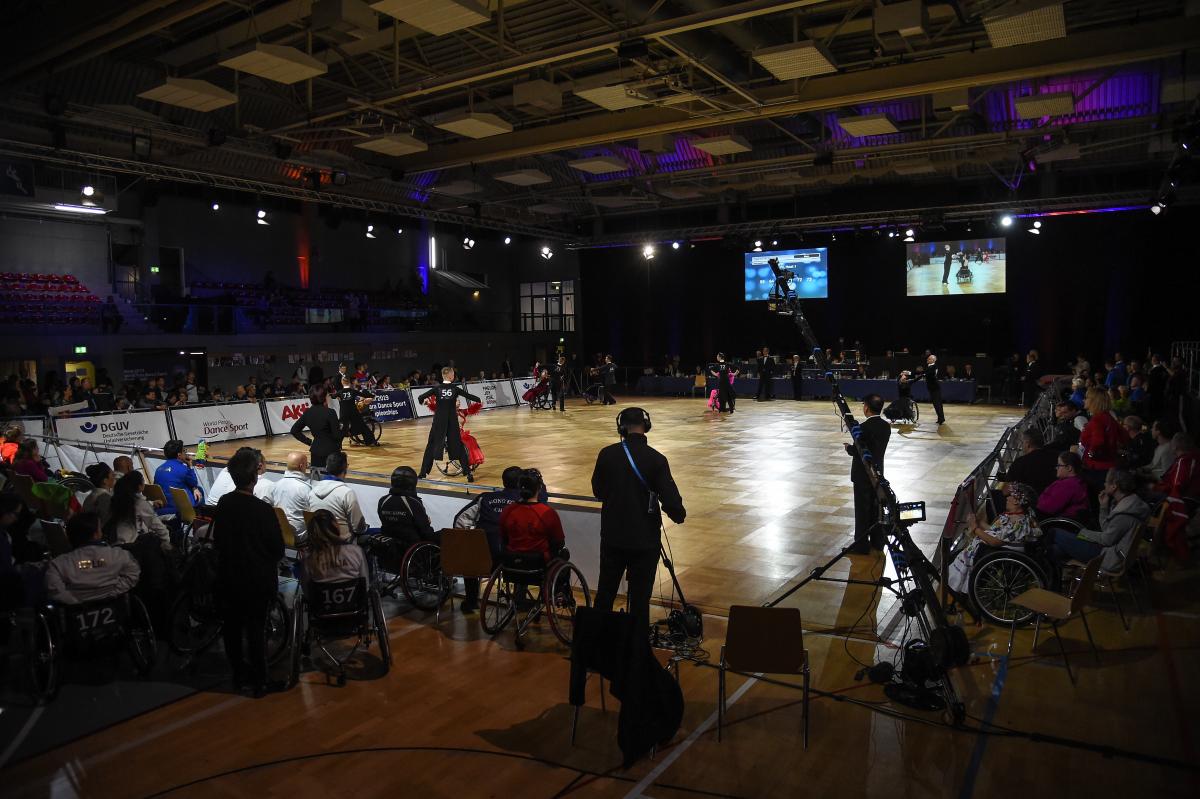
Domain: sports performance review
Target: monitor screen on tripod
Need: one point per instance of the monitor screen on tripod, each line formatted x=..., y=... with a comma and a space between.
x=811, y=268
x=944, y=268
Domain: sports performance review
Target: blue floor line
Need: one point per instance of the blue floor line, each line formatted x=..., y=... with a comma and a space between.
x=981, y=742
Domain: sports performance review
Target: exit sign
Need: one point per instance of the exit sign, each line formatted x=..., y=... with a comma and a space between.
x=154, y=270
x=81, y=350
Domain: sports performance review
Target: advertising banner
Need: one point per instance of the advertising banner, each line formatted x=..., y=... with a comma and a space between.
x=282, y=412
x=124, y=429
x=521, y=385
x=391, y=405
x=32, y=425
x=494, y=393
x=224, y=422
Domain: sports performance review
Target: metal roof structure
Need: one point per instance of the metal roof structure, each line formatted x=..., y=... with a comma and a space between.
x=679, y=71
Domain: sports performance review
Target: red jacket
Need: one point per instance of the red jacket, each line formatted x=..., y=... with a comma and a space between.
x=1102, y=440
x=531, y=527
x=1182, y=480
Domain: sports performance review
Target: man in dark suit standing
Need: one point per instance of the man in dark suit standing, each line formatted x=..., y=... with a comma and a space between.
x=946, y=265
x=873, y=436
x=766, y=371
x=1031, y=381
x=933, y=375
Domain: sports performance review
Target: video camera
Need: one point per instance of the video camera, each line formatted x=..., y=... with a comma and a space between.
x=780, y=274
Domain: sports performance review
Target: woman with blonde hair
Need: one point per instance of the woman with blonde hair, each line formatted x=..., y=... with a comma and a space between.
x=327, y=556
x=1102, y=439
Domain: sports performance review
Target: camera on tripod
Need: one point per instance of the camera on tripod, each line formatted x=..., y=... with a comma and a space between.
x=780, y=274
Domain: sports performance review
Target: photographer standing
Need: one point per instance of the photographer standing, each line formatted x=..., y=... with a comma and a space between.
x=631, y=479
x=873, y=436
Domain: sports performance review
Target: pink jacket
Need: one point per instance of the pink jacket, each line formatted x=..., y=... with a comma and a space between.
x=1066, y=497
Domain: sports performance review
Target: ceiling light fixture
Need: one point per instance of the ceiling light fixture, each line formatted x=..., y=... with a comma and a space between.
x=508, y=239
x=79, y=209
x=88, y=191
x=468, y=243
x=648, y=252
x=370, y=231
x=216, y=206
x=1006, y=220
x=262, y=217
x=674, y=245
x=547, y=253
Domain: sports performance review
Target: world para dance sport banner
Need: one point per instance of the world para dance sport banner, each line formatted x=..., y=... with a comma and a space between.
x=224, y=422
x=148, y=429
x=491, y=393
x=391, y=405
x=522, y=385
x=282, y=412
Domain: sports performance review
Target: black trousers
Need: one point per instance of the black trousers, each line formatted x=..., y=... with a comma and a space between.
x=609, y=399
x=435, y=448
x=935, y=396
x=866, y=512
x=558, y=393
x=639, y=567
x=946, y=272
x=725, y=397
x=353, y=424
x=797, y=387
x=764, y=389
x=245, y=615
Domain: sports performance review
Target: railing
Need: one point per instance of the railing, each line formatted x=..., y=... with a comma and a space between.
x=1189, y=353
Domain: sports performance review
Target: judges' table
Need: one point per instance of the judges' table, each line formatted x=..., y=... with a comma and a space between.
x=952, y=390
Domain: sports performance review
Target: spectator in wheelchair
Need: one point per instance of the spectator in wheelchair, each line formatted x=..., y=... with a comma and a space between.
x=327, y=557
x=122, y=465
x=1013, y=526
x=483, y=513
x=99, y=501
x=92, y=570
x=530, y=525
x=131, y=515
x=1121, y=511
x=292, y=492
x=1068, y=424
x=249, y=546
x=28, y=461
x=1067, y=496
x=333, y=494
x=402, y=514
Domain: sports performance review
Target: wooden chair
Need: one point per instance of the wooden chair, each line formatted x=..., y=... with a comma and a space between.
x=465, y=553
x=1059, y=609
x=154, y=493
x=763, y=641
x=308, y=517
x=289, y=535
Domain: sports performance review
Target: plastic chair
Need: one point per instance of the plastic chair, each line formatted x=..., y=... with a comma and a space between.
x=1059, y=609
x=763, y=641
x=154, y=493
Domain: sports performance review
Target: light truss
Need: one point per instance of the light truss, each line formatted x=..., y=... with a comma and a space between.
x=104, y=163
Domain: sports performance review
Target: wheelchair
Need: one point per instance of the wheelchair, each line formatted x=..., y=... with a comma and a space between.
x=30, y=652
x=373, y=424
x=329, y=611
x=416, y=571
x=899, y=412
x=560, y=585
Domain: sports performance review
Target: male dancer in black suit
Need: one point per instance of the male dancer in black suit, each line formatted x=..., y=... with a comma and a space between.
x=725, y=396
x=766, y=372
x=444, y=435
x=873, y=435
x=933, y=375
x=946, y=265
x=558, y=383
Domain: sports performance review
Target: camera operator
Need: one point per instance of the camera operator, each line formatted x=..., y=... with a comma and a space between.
x=631, y=479
x=873, y=435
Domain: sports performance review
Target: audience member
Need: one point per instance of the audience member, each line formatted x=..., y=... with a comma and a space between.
x=292, y=492
x=483, y=512
x=402, y=515
x=1012, y=526
x=1068, y=422
x=177, y=472
x=131, y=516
x=29, y=462
x=1121, y=512
x=1140, y=450
x=529, y=525
x=327, y=557
x=1067, y=496
x=92, y=570
x=1102, y=439
x=99, y=501
x=12, y=440
x=1036, y=467
x=1164, y=451
x=331, y=493
x=122, y=465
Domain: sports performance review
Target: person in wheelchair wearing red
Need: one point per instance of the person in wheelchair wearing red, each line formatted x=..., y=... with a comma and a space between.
x=530, y=526
x=92, y=570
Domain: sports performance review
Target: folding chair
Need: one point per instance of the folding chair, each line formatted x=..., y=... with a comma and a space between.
x=763, y=641
x=465, y=553
x=1057, y=609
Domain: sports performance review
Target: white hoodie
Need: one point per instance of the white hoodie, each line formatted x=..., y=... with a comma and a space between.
x=339, y=499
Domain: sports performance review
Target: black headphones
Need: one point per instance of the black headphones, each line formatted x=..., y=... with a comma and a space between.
x=633, y=414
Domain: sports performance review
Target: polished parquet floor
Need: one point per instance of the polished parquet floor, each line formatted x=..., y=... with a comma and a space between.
x=768, y=498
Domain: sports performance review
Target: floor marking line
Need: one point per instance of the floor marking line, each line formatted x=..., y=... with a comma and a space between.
x=981, y=742
x=637, y=791
x=27, y=728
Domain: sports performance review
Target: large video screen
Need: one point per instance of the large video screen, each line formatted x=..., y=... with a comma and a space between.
x=811, y=267
x=972, y=266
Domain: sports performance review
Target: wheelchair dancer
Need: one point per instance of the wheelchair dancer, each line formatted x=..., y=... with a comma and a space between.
x=1013, y=526
x=483, y=513
x=92, y=570
x=901, y=407
x=351, y=419
x=444, y=435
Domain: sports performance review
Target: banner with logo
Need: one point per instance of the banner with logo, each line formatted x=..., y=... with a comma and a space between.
x=282, y=412
x=391, y=405
x=494, y=393
x=147, y=428
x=521, y=385
x=224, y=422
x=32, y=425
x=420, y=411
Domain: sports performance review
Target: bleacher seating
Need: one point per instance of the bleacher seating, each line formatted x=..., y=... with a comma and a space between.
x=31, y=298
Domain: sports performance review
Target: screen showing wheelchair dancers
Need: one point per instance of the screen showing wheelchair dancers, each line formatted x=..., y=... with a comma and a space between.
x=811, y=268
x=949, y=268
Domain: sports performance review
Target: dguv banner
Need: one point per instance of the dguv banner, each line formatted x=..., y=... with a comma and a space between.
x=147, y=428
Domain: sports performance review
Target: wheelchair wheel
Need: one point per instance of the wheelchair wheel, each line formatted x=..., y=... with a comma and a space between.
x=999, y=577
x=498, y=605
x=380, y=624
x=77, y=483
x=914, y=412
x=278, y=629
x=450, y=468
x=421, y=576
x=193, y=623
x=565, y=590
x=43, y=659
x=143, y=645
x=298, y=640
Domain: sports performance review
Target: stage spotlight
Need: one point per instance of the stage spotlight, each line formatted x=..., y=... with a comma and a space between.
x=891, y=234
x=508, y=239
x=547, y=253
x=399, y=231
x=1156, y=209
x=1006, y=220
x=648, y=252
x=1034, y=231
x=88, y=191
x=468, y=242
x=833, y=237
x=757, y=244
x=216, y=206
x=475, y=294
x=1037, y=224
x=674, y=245
x=370, y=231
x=909, y=239
x=262, y=217
x=774, y=242
x=910, y=233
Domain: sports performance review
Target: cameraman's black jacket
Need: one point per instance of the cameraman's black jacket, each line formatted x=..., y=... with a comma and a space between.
x=624, y=521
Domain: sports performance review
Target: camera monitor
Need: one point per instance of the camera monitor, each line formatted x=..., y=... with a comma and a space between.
x=952, y=268
x=911, y=511
x=810, y=268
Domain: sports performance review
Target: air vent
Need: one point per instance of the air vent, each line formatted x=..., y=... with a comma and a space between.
x=614, y=98
x=1026, y=23
x=524, y=177
x=474, y=125
x=285, y=65
x=868, y=125
x=600, y=165
x=722, y=145
x=540, y=94
x=797, y=60
x=460, y=188
x=435, y=16
x=394, y=144
x=197, y=95
x=680, y=193
x=1036, y=106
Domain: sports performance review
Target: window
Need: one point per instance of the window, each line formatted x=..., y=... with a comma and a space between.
x=548, y=306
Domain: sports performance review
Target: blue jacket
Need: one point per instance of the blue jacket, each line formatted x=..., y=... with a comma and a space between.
x=174, y=474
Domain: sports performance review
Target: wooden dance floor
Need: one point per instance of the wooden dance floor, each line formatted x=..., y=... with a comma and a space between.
x=768, y=498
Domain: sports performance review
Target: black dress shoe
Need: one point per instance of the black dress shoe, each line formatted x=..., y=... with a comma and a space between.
x=422, y=475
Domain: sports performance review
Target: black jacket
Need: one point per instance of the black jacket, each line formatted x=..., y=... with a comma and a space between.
x=348, y=397
x=326, y=431
x=624, y=520
x=1035, y=469
x=933, y=373
x=249, y=545
x=874, y=435
x=403, y=517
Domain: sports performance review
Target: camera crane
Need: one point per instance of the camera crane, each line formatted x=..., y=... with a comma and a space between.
x=946, y=643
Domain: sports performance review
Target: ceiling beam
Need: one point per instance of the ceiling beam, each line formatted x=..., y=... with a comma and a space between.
x=1085, y=51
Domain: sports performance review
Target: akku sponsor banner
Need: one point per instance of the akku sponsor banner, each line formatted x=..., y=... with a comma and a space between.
x=218, y=422
x=129, y=429
x=282, y=412
x=391, y=405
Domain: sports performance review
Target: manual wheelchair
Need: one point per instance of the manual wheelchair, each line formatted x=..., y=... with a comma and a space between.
x=415, y=571
x=560, y=586
x=329, y=611
x=903, y=411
